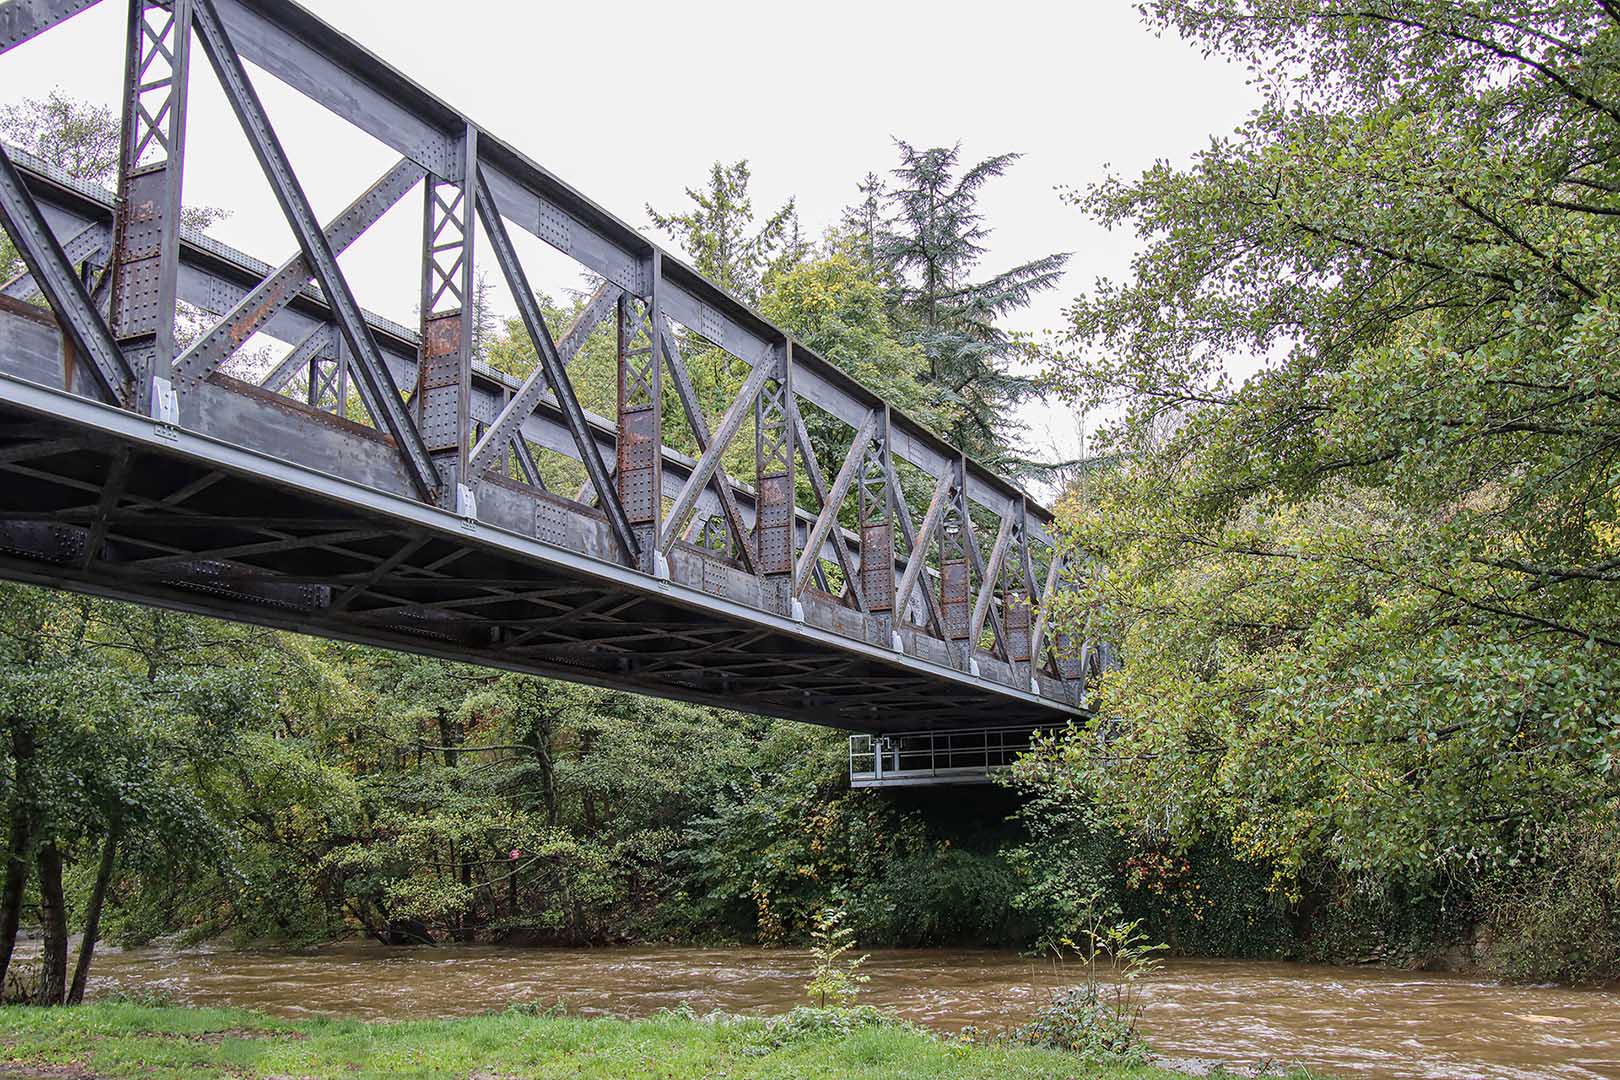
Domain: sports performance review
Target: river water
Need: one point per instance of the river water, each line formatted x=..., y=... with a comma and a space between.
x=1361, y=1022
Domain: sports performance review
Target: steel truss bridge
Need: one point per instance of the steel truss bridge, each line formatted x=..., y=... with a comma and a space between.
x=133, y=466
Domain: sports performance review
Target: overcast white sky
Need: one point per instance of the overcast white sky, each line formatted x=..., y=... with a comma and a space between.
x=631, y=102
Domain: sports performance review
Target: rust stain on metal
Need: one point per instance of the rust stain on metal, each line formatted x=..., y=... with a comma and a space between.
x=248, y=324
x=442, y=336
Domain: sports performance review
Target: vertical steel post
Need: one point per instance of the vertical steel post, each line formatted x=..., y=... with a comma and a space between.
x=955, y=579
x=773, y=467
x=641, y=418
x=1016, y=575
x=151, y=159
x=877, y=530
x=444, y=370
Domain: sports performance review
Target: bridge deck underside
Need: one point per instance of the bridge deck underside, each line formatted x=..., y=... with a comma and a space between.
x=258, y=510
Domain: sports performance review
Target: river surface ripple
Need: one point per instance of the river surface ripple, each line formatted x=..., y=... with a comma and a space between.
x=1361, y=1022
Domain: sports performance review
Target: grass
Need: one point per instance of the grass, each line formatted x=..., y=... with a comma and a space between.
x=118, y=1039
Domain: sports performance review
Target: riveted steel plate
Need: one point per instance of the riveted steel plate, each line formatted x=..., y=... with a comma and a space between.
x=636, y=492
x=441, y=337
x=135, y=297
x=551, y=523
x=555, y=227
x=953, y=597
x=877, y=566
x=714, y=578
x=41, y=540
x=1016, y=620
x=1069, y=663
x=711, y=325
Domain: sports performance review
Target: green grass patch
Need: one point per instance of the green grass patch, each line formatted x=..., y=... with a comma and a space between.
x=119, y=1039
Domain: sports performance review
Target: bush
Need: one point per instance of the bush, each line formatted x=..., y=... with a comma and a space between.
x=1375, y=920
x=1080, y=1021
x=940, y=898
x=1560, y=919
x=804, y=1023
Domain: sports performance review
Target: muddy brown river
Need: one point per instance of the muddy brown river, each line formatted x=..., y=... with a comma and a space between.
x=1360, y=1022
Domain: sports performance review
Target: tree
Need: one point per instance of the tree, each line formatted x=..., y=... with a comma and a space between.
x=838, y=308
x=931, y=246
x=720, y=236
x=76, y=136
x=859, y=232
x=1367, y=598
x=82, y=139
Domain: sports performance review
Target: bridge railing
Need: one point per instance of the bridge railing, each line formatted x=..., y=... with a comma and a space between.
x=965, y=581
x=956, y=756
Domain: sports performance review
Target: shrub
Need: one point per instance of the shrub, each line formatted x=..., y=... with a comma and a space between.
x=1560, y=919
x=835, y=980
x=1080, y=1021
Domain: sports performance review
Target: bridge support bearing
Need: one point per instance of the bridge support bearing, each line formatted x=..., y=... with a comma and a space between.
x=145, y=262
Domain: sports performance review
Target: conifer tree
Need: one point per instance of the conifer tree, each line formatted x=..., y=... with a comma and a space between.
x=931, y=245
x=720, y=236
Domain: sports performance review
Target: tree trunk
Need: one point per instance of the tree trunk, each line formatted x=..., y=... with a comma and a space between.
x=92, y=916
x=17, y=853
x=53, y=922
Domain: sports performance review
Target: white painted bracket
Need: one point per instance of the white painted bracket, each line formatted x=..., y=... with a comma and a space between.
x=165, y=402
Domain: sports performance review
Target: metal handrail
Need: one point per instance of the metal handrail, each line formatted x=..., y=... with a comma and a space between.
x=922, y=754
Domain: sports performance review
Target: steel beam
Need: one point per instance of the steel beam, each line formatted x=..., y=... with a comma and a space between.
x=818, y=485
x=259, y=305
x=876, y=527
x=63, y=290
x=318, y=341
x=919, y=543
x=834, y=500
x=730, y=424
x=774, y=519
x=89, y=245
x=23, y=19
x=989, y=579
x=640, y=438
x=312, y=241
x=146, y=231
x=509, y=423
x=556, y=374
x=301, y=50
x=682, y=381
x=443, y=397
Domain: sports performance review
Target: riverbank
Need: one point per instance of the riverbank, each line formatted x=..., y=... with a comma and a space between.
x=119, y=1040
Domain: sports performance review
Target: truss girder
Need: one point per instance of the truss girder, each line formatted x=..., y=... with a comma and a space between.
x=424, y=524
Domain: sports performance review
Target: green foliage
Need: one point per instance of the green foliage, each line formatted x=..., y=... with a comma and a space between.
x=70, y=134
x=1366, y=598
x=719, y=234
x=834, y=980
x=1076, y=1020
x=940, y=895
x=930, y=248
x=1100, y=1020
x=841, y=309
x=1560, y=917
